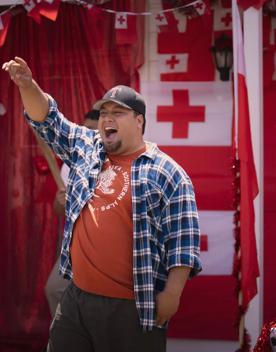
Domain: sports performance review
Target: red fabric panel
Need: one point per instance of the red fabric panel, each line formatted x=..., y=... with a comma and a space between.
x=249, y=190
x=200, y=303
x=65, y=61
x=197, y=47
x=212, y=176
x=5, y=20
x=269, y=200
x=245, y=4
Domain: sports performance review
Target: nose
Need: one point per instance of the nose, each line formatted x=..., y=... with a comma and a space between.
x=107, y=116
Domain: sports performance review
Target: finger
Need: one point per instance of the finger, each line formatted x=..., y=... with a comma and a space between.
x=21, y=61
x=8, y=64
x=160, y=321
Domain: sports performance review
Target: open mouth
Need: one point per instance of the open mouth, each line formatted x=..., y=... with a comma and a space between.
x=110, y=133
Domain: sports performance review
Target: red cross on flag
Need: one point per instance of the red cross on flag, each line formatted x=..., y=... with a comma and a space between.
x=160, y=19
x=172, y=63
x=125, y=26
x=188, y=113
x=120, y=20
x=222, y=19
x=200, y=7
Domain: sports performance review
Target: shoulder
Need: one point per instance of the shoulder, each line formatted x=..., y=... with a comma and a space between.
x=165, y=166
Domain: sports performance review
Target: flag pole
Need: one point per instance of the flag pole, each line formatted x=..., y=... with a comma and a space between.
x=241, y=314
x=246, y=261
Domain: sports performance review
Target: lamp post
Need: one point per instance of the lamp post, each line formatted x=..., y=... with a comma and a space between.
x=223, y=56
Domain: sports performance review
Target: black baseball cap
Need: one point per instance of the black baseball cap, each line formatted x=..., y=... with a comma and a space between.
x=124, y=96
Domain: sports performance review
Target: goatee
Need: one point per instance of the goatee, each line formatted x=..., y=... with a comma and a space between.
x=111, y=148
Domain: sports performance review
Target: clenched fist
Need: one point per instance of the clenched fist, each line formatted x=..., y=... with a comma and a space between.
x=19, y=72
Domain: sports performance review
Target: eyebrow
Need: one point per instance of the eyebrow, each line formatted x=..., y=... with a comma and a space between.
x=117, y=108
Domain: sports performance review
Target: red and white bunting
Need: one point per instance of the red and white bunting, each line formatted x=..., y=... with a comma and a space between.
x=121, y=20
x=200, y=7
x=29, y=5
x=160, y=19
x=170, y=63
x=222, y=19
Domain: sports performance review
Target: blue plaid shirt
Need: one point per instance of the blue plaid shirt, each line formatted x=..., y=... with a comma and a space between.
x=165, y=218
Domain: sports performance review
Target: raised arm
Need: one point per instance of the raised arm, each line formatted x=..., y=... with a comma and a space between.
x=35, y=101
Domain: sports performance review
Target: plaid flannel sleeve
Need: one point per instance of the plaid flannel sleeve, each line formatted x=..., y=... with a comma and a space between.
x=181, y=228
x=58, y=132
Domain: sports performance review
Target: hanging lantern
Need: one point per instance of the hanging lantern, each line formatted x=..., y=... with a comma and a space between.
x=223, y=56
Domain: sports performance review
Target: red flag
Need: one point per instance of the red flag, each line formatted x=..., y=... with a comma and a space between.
x=33, y=10
x=50, y=9
x=245, y=4
x=125, y=26
x=248, y=178
x=4, y=26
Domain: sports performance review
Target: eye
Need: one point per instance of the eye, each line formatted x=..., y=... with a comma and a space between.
x=103, y=113
x=118, y=113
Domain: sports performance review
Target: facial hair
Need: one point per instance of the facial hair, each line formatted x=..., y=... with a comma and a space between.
x=113, y=148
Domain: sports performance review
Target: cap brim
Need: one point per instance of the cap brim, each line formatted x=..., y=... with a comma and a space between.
x=99, y=103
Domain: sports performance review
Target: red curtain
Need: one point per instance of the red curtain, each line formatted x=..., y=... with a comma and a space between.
x=269, y=66
x=75, y=59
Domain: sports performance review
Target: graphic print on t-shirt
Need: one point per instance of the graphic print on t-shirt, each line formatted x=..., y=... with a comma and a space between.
x=112, y=187
x=105, y=181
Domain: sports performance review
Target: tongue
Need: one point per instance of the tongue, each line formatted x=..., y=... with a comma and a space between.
x=110, y=136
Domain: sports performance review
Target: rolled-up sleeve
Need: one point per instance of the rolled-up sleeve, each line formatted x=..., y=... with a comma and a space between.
x=181, y=224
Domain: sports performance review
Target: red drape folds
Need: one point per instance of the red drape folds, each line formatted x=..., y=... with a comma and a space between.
x=76, y=60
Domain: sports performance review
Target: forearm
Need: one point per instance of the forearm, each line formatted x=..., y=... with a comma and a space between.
x=177, y=279
x=167, y=301
x=35, y=101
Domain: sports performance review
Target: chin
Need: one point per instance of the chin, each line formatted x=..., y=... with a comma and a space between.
x=113, y=148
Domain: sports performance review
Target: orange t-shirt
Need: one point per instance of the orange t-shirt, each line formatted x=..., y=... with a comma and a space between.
x=102, y=245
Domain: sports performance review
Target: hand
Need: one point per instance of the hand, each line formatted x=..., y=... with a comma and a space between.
x=60, y=197
x=59, y=203
x=167, y=304
x=19, y=72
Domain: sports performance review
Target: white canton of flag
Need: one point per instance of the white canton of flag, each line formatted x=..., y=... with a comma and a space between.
x=121, y=20
x=168, y=63
x=222, y=19
x=219, y=228
x=200, y=7
x=160, y=19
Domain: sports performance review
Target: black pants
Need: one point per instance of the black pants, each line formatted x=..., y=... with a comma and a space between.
x=86, y=322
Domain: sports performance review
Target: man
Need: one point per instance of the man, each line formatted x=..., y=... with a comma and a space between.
x=131, y=236
x=56, y=284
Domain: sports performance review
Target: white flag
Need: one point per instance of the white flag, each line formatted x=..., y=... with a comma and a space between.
x=121, y=20
x=160, y=19
x=168, y=63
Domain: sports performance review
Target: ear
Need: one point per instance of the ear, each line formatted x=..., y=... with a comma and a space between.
x=140, y=119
